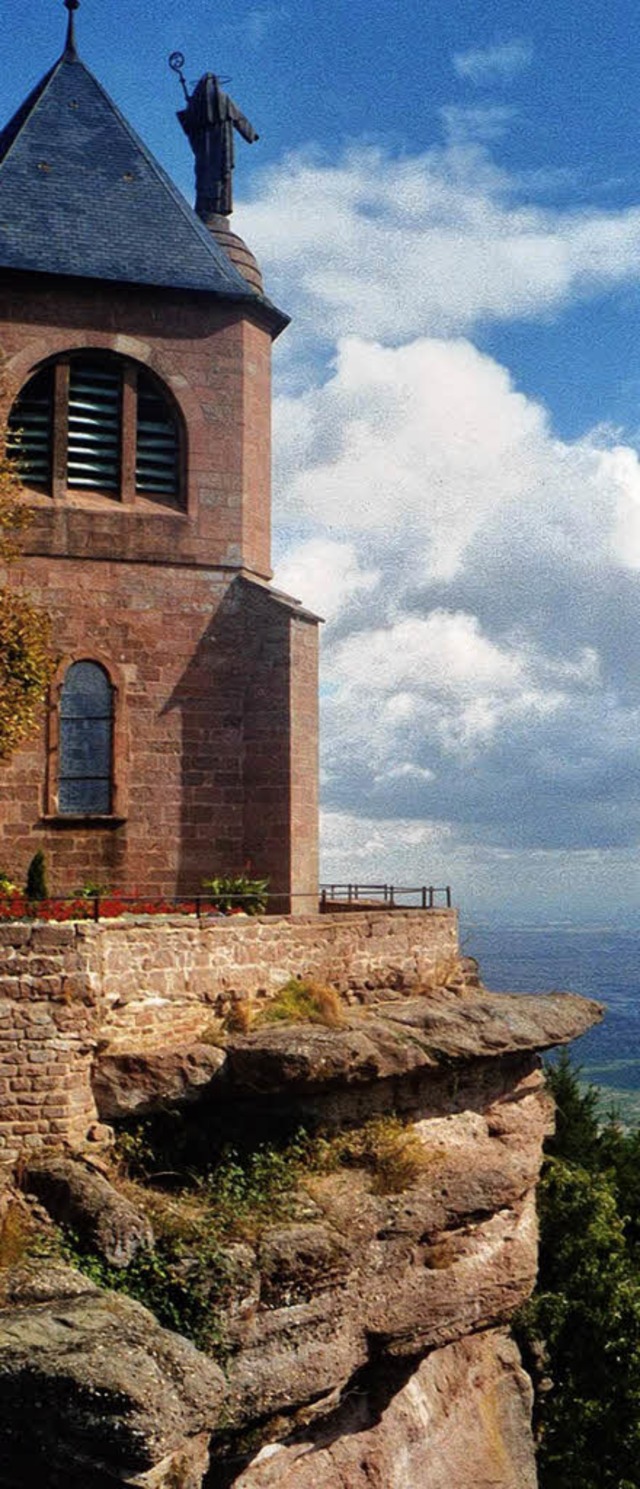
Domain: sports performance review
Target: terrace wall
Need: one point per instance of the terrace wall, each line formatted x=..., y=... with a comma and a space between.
x=65, y=988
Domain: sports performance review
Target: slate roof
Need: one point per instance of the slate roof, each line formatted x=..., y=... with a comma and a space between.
x=80, y=194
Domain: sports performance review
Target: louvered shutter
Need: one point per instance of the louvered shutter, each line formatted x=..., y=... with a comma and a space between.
x=157, y=448
x=94, y=433
x=30, y=427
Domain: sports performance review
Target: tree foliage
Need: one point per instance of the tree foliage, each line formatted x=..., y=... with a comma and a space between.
x=25, y=660
x=586, y=1309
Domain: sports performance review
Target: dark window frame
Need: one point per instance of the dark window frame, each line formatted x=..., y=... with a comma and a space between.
x=129, y=492
x=52, y=813
x=85, y=753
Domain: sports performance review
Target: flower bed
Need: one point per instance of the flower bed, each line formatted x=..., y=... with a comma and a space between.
x=16, y=906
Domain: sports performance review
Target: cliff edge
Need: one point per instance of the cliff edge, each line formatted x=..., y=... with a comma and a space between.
x=362, y=1333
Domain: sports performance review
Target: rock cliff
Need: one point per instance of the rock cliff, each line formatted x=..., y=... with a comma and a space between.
x=363, y=1337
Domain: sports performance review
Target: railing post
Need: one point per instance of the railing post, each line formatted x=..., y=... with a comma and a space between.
x=424, y=896
x=448, y=896
x=96, y=907
x=391, y=899
x=198, y=907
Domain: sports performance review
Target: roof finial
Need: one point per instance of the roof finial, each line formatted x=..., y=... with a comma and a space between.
x=70, y=44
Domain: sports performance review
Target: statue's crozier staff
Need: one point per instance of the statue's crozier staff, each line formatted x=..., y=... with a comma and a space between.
x=209, y=121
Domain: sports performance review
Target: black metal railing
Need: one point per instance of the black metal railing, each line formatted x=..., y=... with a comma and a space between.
x=109, y=906
x=392, y=896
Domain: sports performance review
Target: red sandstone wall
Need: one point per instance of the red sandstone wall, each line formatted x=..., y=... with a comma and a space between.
x=256, y=448
x=179, y=766
x=304, y=732
x=175, y=977
x=212, y=765
x=215, y=763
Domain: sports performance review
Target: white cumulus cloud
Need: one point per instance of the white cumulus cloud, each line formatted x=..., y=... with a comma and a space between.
x=480, y=666
x=387, y=248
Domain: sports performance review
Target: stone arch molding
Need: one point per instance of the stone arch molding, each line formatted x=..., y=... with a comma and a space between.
x=20, y=367
x=38, y=353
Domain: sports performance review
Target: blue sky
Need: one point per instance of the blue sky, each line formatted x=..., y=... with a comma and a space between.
x=447, y=199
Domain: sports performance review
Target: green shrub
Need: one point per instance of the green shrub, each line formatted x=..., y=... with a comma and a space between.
x=187, y=1277
x=577, y=1130
x=237, y=892
x=7, y=885
x=90, y=890
x=232, y=1197
x=182, y=1281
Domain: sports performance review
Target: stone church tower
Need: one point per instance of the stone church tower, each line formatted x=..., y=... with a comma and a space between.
x=180, y=737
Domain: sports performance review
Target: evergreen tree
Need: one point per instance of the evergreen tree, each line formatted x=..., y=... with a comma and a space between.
x=586, y=1309
x=577, y=1133
x=36, y=887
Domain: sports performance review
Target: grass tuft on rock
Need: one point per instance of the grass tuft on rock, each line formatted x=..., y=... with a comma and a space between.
x=303, y=1001
x=390, y=1151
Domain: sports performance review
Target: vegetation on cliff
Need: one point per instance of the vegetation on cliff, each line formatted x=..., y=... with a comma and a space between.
x=581, y=1329
x=202, y=1216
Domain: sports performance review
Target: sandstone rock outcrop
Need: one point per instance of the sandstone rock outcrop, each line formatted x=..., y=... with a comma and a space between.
x=134, y=1082
x=386, y=1041
x=93, y=1392
x=363, y=1334
x=102, y=1218
x=394, y=1275
x=460, y=1421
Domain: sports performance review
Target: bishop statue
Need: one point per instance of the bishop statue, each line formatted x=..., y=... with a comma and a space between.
x=209, y=121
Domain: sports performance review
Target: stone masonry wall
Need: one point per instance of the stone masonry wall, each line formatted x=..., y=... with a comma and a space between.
x=48, y=1022
x=64, y=988
x=206, y=730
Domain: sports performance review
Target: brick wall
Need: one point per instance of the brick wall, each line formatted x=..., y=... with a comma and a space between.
x=63, y=988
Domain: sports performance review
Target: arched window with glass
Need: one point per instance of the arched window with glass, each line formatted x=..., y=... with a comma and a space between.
x=85, y=754
x=98, y=424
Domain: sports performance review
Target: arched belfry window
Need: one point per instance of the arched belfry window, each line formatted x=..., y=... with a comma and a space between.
x=85, y=758
x=101, y=425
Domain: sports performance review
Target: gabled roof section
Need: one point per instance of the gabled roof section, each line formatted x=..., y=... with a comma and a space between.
x=81, y=195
